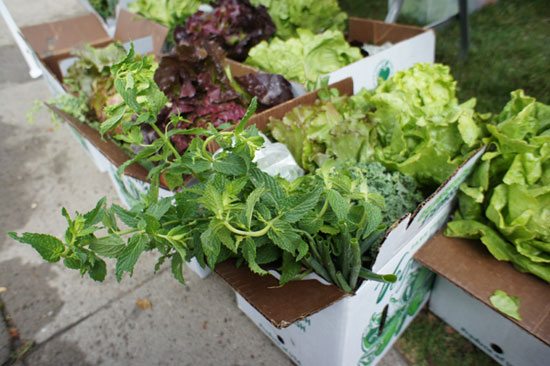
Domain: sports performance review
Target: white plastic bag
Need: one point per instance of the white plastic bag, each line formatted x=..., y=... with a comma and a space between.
x=275, y=159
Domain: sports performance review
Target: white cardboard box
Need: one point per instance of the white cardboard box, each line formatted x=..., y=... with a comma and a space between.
x=358, y=329
x=499, y=337
x=410, y=45
x=467, y=276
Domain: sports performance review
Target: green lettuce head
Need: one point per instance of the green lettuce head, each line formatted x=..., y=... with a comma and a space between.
x=169, y=13
x=304, y=58
x=314, y=15
x=506, y=201
x=422, y=129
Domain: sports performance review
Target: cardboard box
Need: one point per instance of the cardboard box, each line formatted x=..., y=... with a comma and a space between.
x=467, y=276
x=109, y=24
x=410, y=45
x=315, y=323
x=53, y=42
x=108, y=157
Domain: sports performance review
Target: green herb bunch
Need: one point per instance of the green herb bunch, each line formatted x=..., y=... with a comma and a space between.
x=325, y=222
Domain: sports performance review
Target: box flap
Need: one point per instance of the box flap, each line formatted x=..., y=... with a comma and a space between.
x=470, y=266
x=133, y=27
x=377, y=32
x=281, y=305
x=61, y=37
x=109, y=149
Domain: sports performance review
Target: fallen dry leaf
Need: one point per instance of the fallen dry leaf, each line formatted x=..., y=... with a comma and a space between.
x=13, y=332
x=144, y=304
x=449, y=330
x=3, y=289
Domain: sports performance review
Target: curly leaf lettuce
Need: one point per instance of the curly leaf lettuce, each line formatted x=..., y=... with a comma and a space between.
x=235, y=25
x=89, y=82
x=506, y=202
x=332, y=128
x=412, y=123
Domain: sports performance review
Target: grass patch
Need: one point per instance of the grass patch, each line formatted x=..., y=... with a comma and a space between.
x=429, y=341
x=508, y=49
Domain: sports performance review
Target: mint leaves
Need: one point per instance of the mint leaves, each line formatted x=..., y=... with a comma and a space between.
x=329, y=222
x=49, y=247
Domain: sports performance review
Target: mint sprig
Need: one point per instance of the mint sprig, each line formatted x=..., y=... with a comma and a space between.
x=324, y=222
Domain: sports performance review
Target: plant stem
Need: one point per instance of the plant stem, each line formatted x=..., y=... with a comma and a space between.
x=205, y=152
x=323, y=209
x=166, y=140
x=256, y=234
x=125, y=232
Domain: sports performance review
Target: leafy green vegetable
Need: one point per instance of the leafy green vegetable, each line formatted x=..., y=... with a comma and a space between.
x=89, y=82
x=334, y=127
x=169, y=13
x=306, y=57
x=314, y=15
x=411, y=123
x=329, y=222
x=505, y=202
x=422, y=129
x=140, y=95
x=506, y=304
x=400, y=192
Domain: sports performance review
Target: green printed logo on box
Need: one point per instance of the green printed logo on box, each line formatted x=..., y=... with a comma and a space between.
x=382, y=329
x=383, y=71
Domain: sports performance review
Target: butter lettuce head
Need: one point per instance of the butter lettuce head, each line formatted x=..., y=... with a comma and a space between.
x=506, y=201
x=314, y=15
x=166, y=12
x=422, y=129
x=306, y=57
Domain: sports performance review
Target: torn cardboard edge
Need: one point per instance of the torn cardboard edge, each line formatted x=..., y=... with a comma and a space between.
x=422, y=204
x=471, y=267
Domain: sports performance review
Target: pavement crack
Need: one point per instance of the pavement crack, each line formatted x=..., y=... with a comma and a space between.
x=18, y=347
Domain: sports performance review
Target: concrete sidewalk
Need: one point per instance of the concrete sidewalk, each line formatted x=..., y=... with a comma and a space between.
x=73, y=320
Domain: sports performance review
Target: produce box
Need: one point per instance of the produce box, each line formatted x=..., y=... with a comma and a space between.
x=467, y=276
x=52, y=43
x=390, y=47
x=108, y=156
x=315, y=323
x=410, y=45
